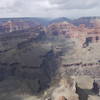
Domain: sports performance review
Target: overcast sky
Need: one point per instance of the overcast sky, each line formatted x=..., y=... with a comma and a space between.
x=49, y=8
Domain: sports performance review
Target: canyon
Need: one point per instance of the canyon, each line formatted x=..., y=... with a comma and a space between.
x=44, y=59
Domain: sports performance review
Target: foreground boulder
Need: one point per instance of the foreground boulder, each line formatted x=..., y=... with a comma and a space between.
x=63, y=90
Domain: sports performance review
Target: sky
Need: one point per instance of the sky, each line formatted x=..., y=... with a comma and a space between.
x=49, y=8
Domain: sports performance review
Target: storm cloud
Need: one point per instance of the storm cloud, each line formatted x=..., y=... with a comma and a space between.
x=49, y=8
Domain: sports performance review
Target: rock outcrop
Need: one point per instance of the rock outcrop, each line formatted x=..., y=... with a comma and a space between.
x=64, y=89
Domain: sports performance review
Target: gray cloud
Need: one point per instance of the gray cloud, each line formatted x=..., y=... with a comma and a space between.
x=76, y=4
x=49, y=8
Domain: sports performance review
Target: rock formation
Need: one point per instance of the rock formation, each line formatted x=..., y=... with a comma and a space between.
x=11, y=26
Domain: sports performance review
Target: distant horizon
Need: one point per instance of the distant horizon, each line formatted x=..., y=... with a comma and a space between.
x=50, y=17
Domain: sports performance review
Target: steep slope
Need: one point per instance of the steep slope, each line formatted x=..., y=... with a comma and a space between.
x=28, y=56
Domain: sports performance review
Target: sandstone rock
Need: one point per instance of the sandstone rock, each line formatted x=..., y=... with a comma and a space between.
x=62, y=98
x=65, y=89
